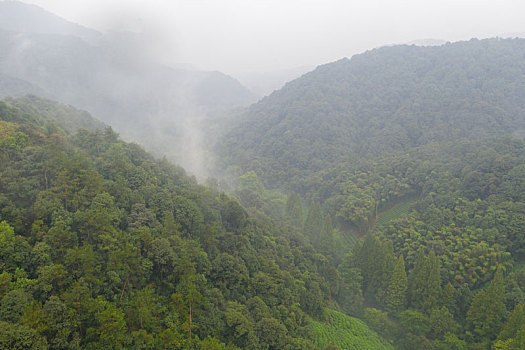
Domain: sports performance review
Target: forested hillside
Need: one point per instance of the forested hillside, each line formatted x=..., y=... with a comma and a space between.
x=409, y=162
x=376, y=202
x=382, y=101
x=104, y=247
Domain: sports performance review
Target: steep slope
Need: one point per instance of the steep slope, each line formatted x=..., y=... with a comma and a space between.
x=386, y=100
x=434, y=132
x=63, y=116
x=102, y=246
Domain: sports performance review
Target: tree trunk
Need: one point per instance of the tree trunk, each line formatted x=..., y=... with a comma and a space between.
x=124, y=287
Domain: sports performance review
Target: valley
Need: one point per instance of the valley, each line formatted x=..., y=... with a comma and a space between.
x=375, y=202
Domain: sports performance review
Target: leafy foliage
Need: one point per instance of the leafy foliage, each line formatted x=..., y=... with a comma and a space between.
x=347, y=333
x=417, y=155
x=102, y=246
x=385, y=100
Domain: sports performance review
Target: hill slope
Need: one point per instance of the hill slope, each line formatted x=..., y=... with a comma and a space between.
x=64, y=116
x=386, y=100
x=102, y=246
x=436, y=131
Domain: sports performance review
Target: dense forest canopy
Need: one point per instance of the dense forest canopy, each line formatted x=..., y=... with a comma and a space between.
x=413, y=158
x=102, y=246
x=377, y=202
x=385, y=100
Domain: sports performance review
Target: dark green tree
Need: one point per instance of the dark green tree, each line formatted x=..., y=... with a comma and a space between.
x=313, y=224
x=425, y=282
x=325, y=242
x=487, y=312
x=512, y=336
x=294, y=209
x=396, y=294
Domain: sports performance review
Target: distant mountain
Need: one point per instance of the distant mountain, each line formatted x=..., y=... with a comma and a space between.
x=265, y=82
x=16, y=87
x=19, y=17
x=383, y=101
x=146, y=102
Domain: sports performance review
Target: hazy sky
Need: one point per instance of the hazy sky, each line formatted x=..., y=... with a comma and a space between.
x=236, y=36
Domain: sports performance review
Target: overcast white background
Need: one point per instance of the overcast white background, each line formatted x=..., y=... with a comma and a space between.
x=236, y=36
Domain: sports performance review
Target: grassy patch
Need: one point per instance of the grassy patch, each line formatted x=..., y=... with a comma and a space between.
x=346, y=238
x=347, y=333
x=403, y=208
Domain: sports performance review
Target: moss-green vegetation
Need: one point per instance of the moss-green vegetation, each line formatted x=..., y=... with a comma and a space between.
x=363, y=134
x=129, y=251
x=104, y=247
x=347, y=239
x=347, y=333
x=403, y=208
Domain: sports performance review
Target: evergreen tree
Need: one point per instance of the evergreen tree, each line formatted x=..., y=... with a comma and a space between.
x=512, y=335
x=447, y=298
x=397, y=288
x=376, y=260
x=294, y=209
x=326, y=239
x=425, y=282
x=441, y=323
x=432, y=292
x=487, y=312
x=462, y=301
x=314, y=222
x=416, y=278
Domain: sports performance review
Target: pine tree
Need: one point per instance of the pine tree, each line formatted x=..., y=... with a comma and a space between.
x=397, y=288
x=425, y=282
x=383, y=263
x=314, y=222
x=416, y=279
x=432, y=293
x=487, y=311
x=513, y=332
x=294, y=209
x=326, y=239
x=376, y=260
x=447, y=298
x=442, y=322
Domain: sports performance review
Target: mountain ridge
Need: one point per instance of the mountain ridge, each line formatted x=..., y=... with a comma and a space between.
x=388, y=99
x=156, y=105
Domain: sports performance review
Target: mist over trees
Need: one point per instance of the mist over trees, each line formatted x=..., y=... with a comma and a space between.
x=376, y=202
x=416, y=153
x=161, y=107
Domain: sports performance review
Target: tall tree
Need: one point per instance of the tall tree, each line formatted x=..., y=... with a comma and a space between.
x=314, y=222
x=487, y=312
x=432, y=293
x=325, y=243
x=416, y=278
x=425, y=282
x=512, y=335
x=294, y=209
x=396, y=293
x=376, y=260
